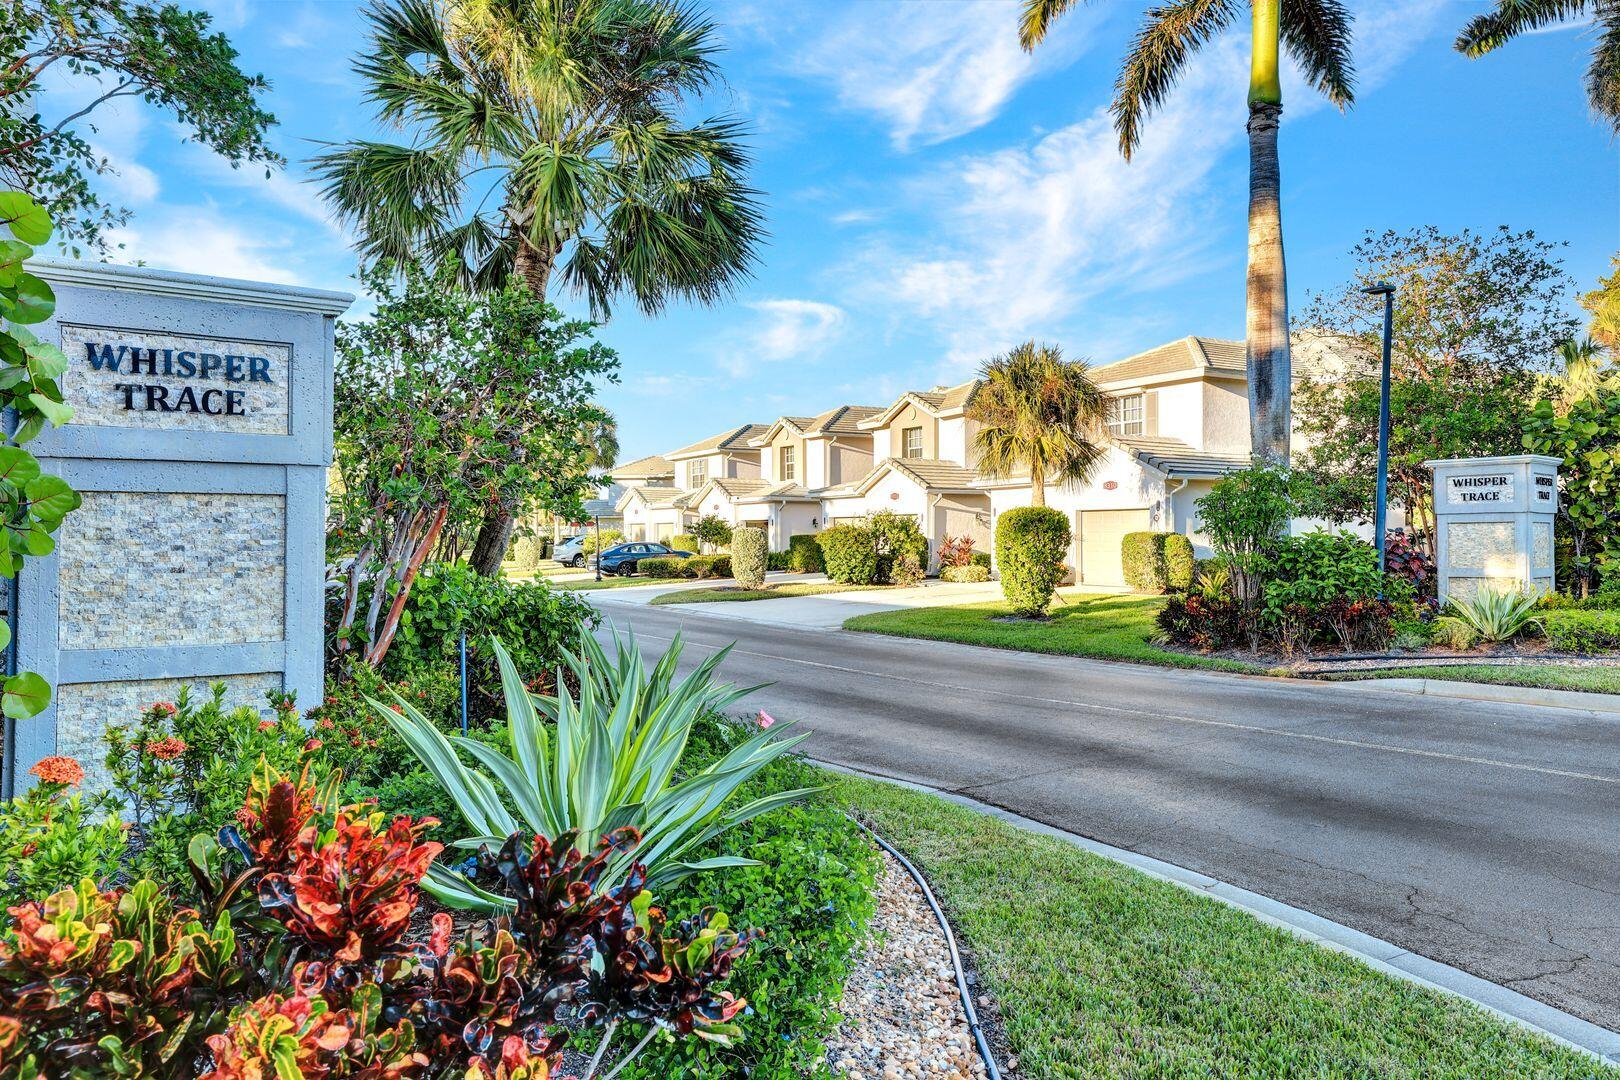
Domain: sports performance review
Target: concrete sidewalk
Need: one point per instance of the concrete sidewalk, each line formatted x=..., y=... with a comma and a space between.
x=826, y=611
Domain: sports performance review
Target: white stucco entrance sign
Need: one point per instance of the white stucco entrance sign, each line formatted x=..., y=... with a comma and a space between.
x=1495, y=519
x=200, y=442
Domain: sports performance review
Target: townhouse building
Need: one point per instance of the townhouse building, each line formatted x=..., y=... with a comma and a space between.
x=1177, y=422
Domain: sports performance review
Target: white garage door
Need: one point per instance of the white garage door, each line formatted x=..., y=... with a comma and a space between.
x=1100, y=534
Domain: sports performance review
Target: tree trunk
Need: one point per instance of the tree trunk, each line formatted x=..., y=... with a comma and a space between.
x=1266, y=322
x=533, y=267
x=1037, y=488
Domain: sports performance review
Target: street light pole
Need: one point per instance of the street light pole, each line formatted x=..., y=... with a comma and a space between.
x=597, y=527
x=1381, y=509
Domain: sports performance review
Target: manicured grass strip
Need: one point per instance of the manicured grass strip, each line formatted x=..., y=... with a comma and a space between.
x=727, y=593
x=591, y=584
x=1600, y=680
x=1099, y=970
x=1081, y=624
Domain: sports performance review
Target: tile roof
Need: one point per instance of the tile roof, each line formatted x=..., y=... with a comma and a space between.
x=938, y=400
x=928, y=472
x=1175, y=458
x=733, y=439
x=786, y=490
x=1183, y=354
x=735, y=487
x=660, y=496
x=841, y=421
x=653, y=465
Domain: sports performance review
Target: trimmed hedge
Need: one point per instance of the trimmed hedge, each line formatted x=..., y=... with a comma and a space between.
x=804, y=553
x=686, y=542
x=1157, y=561
x=750, y=551
x=982, y=558
x=972, y=572
x=1030, y=544
x=778, y=560
x=709, y=566
x=850, y=554
x=666, y=566
x=1583, y=631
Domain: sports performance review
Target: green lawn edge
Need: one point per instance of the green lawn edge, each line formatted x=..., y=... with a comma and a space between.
x=1102, y=626
x=1594, y=680
x=733, y=594
x=1097, y=969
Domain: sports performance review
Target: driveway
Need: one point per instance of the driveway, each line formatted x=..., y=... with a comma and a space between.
x=1484, y=836
x=824, y=611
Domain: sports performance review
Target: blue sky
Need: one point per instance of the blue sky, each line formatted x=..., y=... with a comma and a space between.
x=934, y=195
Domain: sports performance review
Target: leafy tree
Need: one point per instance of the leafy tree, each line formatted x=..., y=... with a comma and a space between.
x=1509, y=19
x=548, y=137
x=1037, y=413
x=1246, y=517
x=1586, y=436
x=161, y=55
x=1317, y=35
x=449, y=403
x=712, y=531
x=32, y=503
x=1477, y=318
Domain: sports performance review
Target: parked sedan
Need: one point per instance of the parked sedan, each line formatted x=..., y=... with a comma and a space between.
x=571, y=552
x=625, y=559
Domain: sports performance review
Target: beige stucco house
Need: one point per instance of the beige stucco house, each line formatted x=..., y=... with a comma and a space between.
x=1177, y=422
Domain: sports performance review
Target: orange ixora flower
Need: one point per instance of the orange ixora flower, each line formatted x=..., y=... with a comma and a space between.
x=167, y=749
x=59, y=770
x=162, y=708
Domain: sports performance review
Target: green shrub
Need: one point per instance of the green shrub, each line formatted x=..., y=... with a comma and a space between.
x=712, y=531
x=850, y=554
x=534, y=620
x=709, y=566
x=1589, y=631
x=750, y=550
x=1411, y=634
x=528, y=552
x=52, y=838
x=1031, y=542
x=1494, y=615
x=686, y=542
x=667, y=566
x=815, y=890
x=897, y=535
x=607, y=539
x=1178, y=561
x=804, y=553
x=1143, y=556
x=972, y=572
x=1326, y=586
x=982, y=558
x=778, y=561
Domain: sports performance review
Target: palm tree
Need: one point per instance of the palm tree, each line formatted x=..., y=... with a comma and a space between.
x=1317, y=34
x=1511, y=18
x=1587, y=371
x=545, y=138
x=1037, y=412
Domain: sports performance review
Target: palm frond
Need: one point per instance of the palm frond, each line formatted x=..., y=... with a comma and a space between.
x=1603, y=77
x=1318, y=36
x=1038, y=412
x=1159, y=53
x=394, y=196
x=1510, y=18
x=1038, y=17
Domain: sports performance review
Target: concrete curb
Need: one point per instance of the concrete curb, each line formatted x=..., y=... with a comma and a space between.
x=1376, y=953
x=1512, y=695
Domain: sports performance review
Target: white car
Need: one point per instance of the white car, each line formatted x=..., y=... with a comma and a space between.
x=571, y=552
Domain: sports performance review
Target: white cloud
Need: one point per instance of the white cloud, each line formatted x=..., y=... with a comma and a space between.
x=782, y=330
x=933, y=70
x=201, y=240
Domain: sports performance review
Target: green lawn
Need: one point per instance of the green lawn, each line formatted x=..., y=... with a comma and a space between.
x=591, y=584
x=1108, y=627
x=1100, y=970
x=725, y=593
x=1600, y=680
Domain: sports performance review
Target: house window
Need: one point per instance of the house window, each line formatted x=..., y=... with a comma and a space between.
x=1127, y=415
x=784, y=470
x=911, y=442
x=697, y=472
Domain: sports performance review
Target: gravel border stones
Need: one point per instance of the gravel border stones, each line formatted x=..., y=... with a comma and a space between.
x=902, y=1015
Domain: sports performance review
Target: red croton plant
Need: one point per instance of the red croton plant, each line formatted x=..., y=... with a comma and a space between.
x=300, y=959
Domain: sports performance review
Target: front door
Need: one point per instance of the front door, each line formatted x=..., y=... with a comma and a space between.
x=1100, y=535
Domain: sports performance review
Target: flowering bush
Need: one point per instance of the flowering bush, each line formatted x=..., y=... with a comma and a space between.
x=956, y=551
x=52, y=838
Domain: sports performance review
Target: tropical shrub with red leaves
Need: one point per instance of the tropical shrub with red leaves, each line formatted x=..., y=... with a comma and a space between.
x=956, y=551
x=109, y=983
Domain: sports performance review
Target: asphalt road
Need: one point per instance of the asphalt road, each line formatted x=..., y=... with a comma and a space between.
x=1483, y=836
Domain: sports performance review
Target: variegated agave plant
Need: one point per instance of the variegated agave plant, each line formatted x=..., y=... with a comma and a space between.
x=605, y=761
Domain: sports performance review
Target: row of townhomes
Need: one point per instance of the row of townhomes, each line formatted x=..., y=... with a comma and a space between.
x=1177, y=421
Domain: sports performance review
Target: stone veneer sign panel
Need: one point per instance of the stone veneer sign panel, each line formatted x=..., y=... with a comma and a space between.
x=142, y=379
x=201, y=439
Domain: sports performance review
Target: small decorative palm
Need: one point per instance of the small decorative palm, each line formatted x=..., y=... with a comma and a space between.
x=1037, y=412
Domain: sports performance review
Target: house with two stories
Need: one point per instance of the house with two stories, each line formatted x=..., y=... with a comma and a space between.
x=1177, y=421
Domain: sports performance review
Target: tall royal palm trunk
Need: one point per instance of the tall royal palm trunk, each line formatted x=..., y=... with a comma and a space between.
x=1266, y=310
x=533, y=267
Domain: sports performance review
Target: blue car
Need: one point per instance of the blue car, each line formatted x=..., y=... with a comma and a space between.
x=625, y=559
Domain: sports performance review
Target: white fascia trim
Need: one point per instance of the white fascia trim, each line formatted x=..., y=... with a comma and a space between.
x=154, y=282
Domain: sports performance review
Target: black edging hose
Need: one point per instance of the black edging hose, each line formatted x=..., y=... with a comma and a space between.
x=950, y=940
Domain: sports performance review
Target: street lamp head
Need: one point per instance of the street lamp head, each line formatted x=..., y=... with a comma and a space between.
x=1382, y=288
